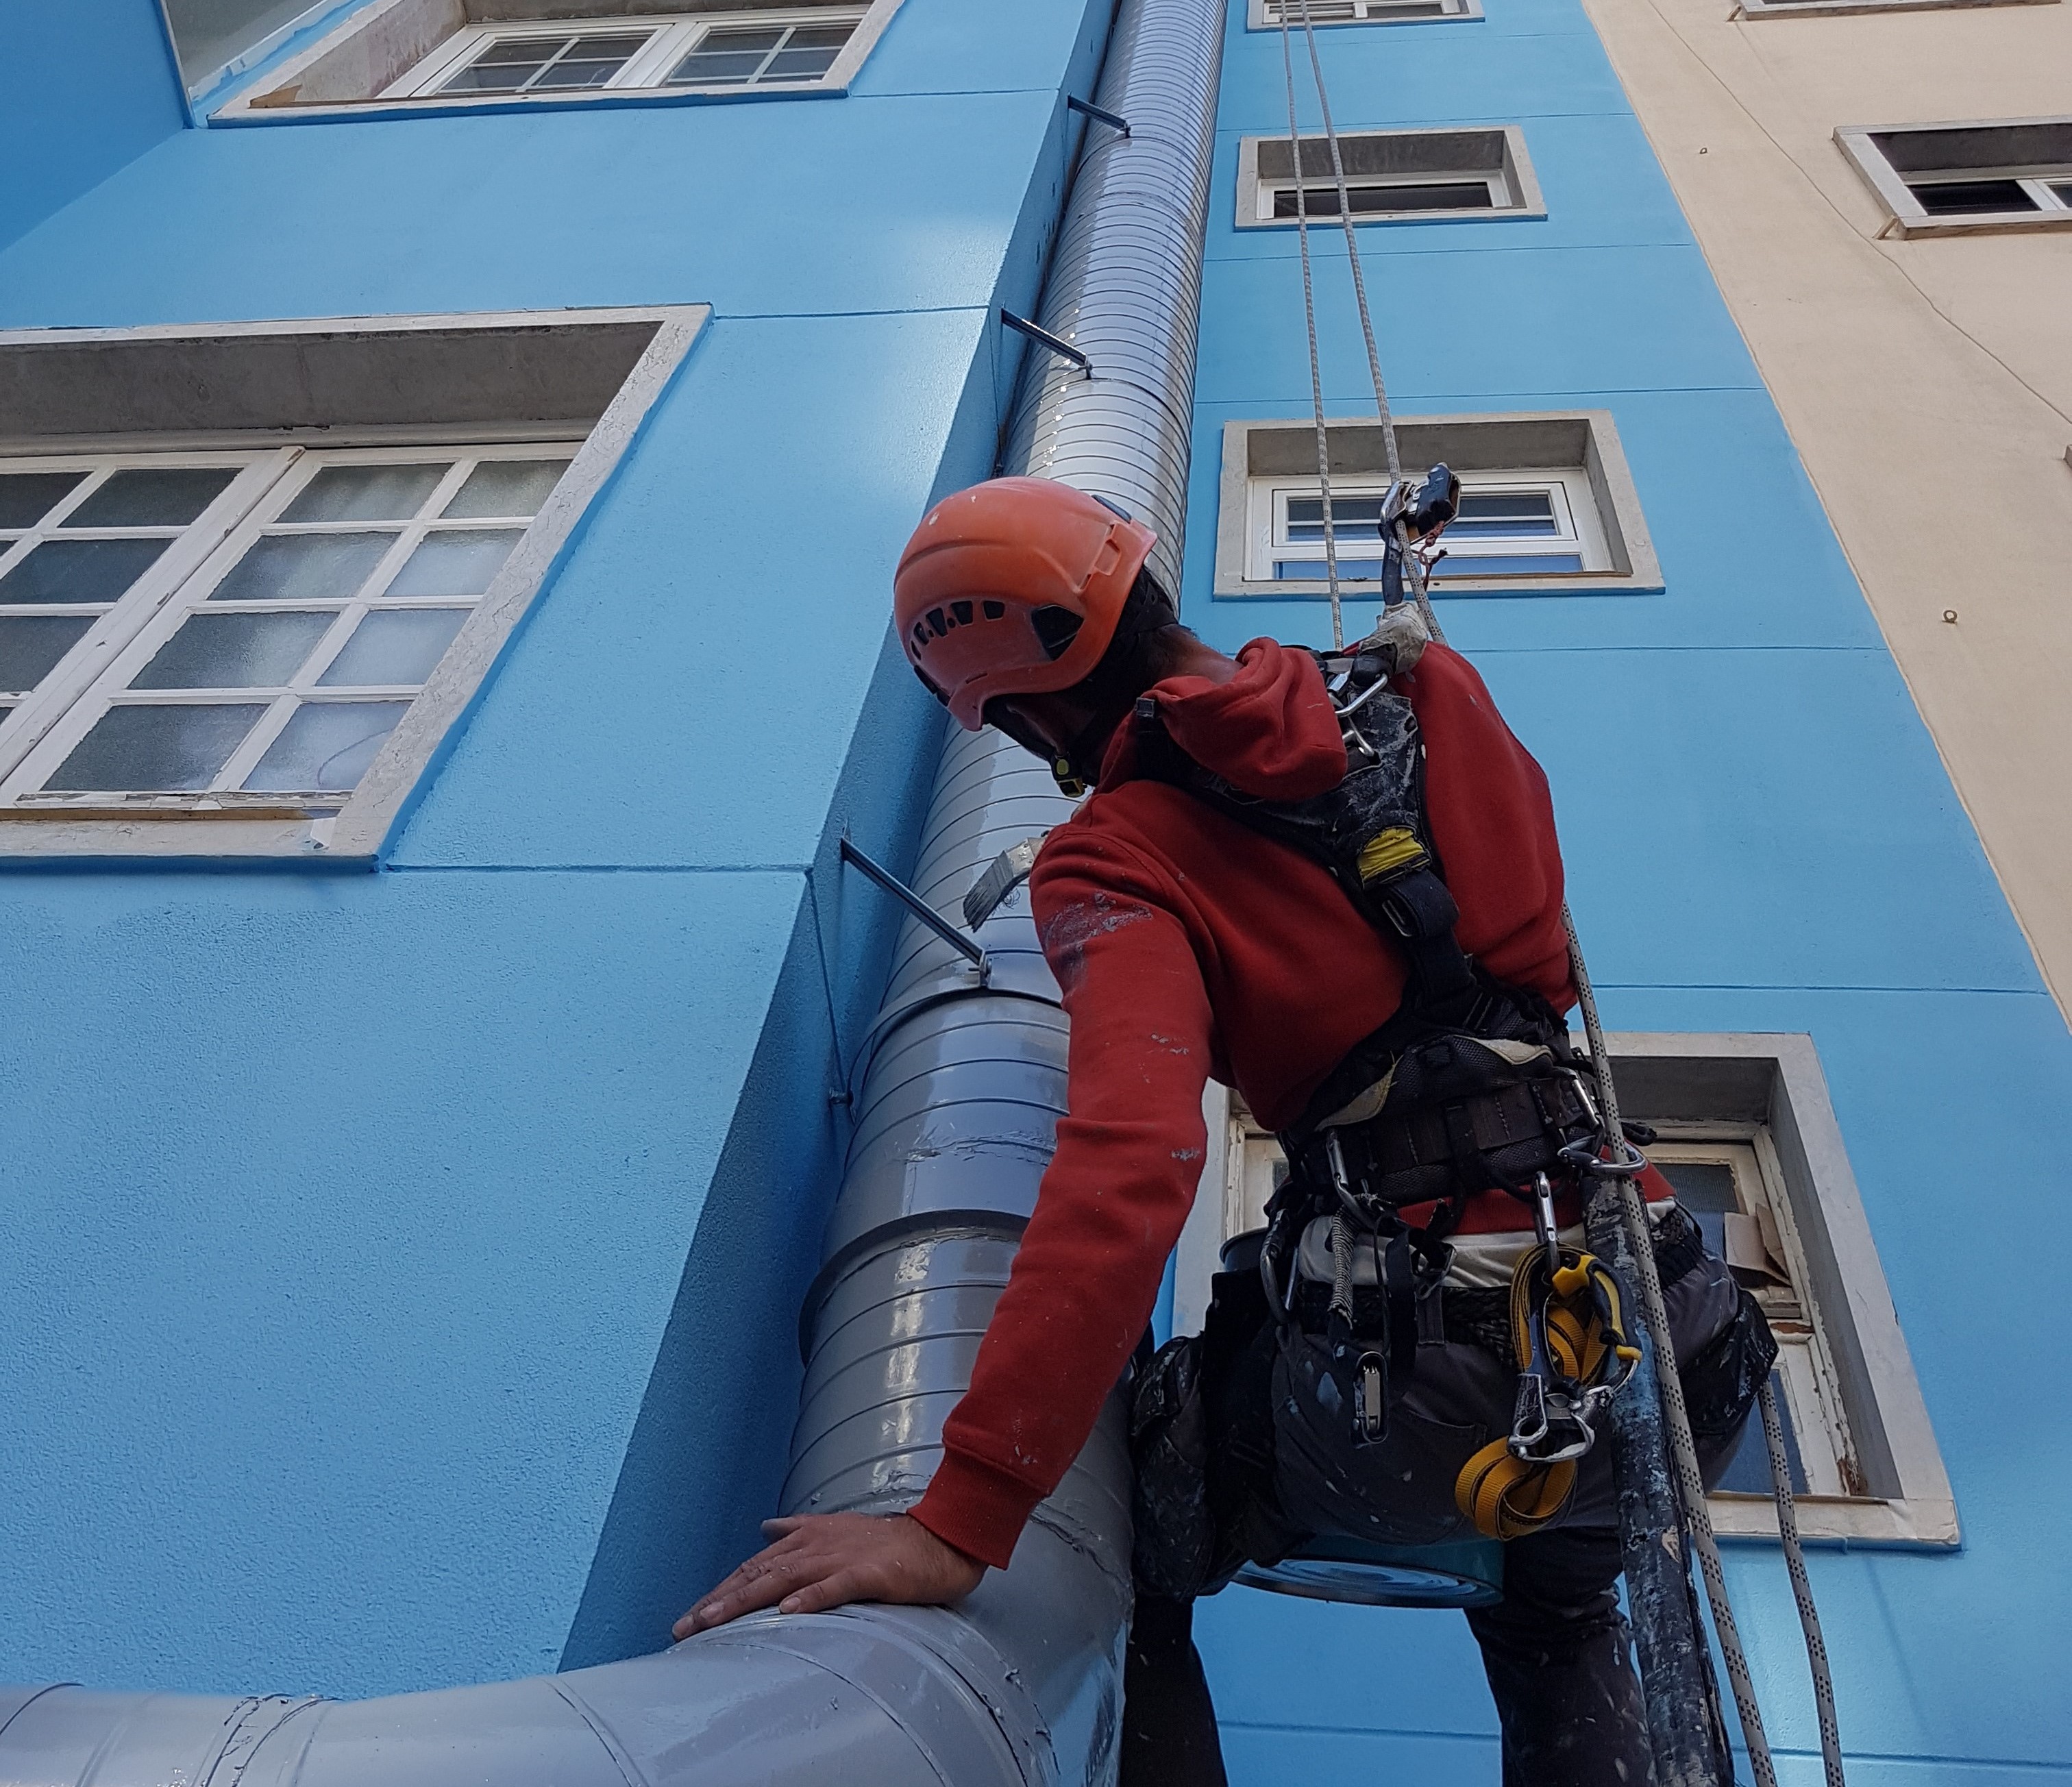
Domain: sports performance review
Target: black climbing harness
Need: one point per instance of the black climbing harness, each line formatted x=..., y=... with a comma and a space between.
x=1471, y=1086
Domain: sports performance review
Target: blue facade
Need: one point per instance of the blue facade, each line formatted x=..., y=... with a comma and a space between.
x=401, y=1268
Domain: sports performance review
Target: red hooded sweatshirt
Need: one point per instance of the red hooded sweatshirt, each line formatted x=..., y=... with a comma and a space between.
x=1188, y=945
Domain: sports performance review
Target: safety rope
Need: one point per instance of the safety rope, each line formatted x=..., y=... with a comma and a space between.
x=1676, y=1416
x=1802, y=1589
x=1309, y=317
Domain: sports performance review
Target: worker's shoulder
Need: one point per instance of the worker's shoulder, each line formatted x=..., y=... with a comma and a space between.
x=1122, y=837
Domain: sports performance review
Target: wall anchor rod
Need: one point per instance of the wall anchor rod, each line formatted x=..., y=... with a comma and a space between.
x=1058, y=345
x=921, y=910
x=1113, y=120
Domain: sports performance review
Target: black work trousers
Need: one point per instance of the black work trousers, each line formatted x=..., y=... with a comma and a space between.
x=1555, y=1649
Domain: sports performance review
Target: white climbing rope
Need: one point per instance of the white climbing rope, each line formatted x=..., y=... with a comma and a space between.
x=1802, y=1589
x=1309, y=317
x=1676, y=1417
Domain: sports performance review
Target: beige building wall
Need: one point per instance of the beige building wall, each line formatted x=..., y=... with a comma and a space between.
x=1927, y=381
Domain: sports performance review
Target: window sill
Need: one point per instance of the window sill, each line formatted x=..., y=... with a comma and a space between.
x=242, y=112
x=2003, y=222
x=1587, y=583
x=1789, y=9
x=1840, y=1520
x=169, y=836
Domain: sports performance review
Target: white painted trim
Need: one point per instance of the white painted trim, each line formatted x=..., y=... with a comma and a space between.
x=1514, y=187
x=433, y=37
x=1859, y=145
x=176, y=831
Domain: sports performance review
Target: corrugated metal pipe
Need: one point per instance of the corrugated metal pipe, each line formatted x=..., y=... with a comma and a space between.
x=962, y=1083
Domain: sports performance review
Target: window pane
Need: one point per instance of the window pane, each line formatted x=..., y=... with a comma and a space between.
x=2062, y=192
x=1491, y=565
x=1314, y=569
x=1973, y=198
x=27, y=497
x=157, y=748
x=1323, y=201
x=234, y=652
x=809, y=54
x=592, y=62
x=32, y=644
x=506, y=486
x=393, y=648
x=167, y=497
x=1503, y=516
x=1748, y=1471
x=1351, y=516
x=455, y=564
x=326, y=747
x=80, y=570
x=505, y=66
x=297, y=567
x=726, y=58
x=365, y=493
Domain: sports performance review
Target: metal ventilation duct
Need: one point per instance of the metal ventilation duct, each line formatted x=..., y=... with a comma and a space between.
x=962, y=1084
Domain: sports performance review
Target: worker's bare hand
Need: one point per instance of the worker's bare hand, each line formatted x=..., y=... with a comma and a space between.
x=820, y=1561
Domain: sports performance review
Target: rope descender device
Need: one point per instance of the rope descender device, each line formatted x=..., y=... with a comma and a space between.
x=1573, y=1355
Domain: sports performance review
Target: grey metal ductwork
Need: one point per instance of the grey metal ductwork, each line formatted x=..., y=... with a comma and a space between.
x=963, y=1080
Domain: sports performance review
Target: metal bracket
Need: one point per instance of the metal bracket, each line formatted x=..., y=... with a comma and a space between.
x=1113, y=121
x=921, y=910
x=1063, y=349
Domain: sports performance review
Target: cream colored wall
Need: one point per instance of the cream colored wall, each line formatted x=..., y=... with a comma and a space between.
x=1927, y=383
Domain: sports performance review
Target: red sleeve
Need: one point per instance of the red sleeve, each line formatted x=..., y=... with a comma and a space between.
x=1112, y=1203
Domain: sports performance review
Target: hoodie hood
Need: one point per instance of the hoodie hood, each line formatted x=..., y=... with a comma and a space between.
x=1269, y=730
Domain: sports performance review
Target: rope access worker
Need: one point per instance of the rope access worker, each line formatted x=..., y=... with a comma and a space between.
x=1254, y=892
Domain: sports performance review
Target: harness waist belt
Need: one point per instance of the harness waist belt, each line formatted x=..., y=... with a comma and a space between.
x=1428, y=1151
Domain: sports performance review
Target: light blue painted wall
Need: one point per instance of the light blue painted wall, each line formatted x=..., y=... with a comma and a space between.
x=1760, y=836
x=405, y=1283
x=84, y=89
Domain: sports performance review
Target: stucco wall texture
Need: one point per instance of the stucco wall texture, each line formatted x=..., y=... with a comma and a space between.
x=1759, y=837
x=1926, y=382
x=405, y=1281
x=401, y=1268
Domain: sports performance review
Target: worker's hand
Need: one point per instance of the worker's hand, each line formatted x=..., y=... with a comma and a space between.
x=820, y=1561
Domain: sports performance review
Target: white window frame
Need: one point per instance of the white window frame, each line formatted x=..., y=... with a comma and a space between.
x=300, y=392
x=672, y=37
x=1265, y=460
x=95, y=677
x=1759, y=1102
x=1786, y=9
x=1513, y=188
x=388, y=58
x=1805, y=1361
x=1895, y=190
x=1264, y=15
x=1579, y=527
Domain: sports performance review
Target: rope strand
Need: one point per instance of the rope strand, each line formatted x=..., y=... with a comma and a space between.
x=1309, y=317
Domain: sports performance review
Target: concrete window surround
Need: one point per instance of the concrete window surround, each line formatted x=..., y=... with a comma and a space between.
x=1789, y=9
x=1491, y=157
x=349, y=72
x=1264, y=15
x=334, y=383
x=2033, y=156
x=1767, y=1090
x=1583, y=443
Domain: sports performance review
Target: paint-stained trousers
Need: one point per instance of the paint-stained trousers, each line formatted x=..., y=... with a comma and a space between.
x=1555, y=1649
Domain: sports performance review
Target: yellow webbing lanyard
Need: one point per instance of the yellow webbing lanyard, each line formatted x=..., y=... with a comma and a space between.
x=1507, y=1496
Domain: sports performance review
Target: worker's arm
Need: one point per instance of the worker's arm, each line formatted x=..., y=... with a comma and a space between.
x=1111, y=1207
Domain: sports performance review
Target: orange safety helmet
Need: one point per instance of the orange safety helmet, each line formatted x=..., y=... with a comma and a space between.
x=1014, y=587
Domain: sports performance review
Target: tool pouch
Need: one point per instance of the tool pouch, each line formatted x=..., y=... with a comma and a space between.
x=1721, y=1381
x=1169, y=1445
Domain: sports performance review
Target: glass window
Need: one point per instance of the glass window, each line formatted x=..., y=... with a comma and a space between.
x=771, y=49
x=284, y=658
x=1526, y=525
